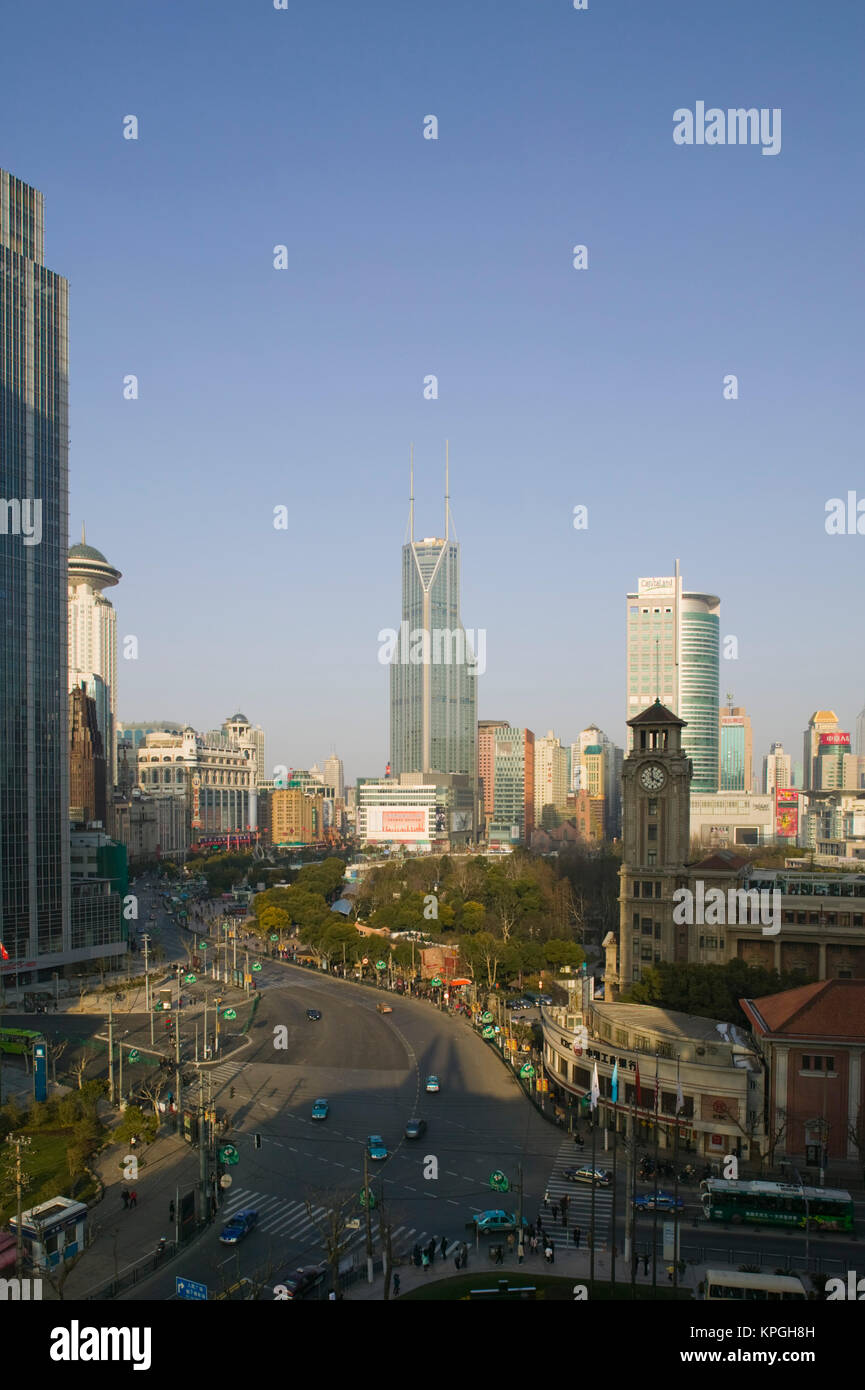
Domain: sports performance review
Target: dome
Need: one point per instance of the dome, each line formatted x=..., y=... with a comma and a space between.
x=88, y=565
x=237, y=719
x=86, y=552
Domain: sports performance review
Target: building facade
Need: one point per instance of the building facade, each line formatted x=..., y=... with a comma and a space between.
x=673, y=655
x=88, y=773
x=35, y=894
x=736, y=750
x=822, y=721
x=513, y=818
x=215, y=783
x=777, y=769
x=93, y=639
x=551, y=775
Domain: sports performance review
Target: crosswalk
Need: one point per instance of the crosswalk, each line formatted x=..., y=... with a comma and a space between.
x=295, y=1222
x=219, y=1076
x=578, y=1211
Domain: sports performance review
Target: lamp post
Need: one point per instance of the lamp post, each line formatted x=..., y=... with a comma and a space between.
x=787, y=1163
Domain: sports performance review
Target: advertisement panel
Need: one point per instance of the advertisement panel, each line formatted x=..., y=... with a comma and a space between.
x=659, y=588
x=834, y=740
x=786, y=813
x=403, y=823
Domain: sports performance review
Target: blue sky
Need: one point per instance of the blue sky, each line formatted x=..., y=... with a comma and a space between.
x=407, y=256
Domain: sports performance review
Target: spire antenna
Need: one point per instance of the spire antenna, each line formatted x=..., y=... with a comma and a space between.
x=447, y=490
x=411, y=495
x=83, y=541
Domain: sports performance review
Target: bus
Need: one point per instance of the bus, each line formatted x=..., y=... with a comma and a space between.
x=735, y=1284
x=776, y=1204
x=19, y=1040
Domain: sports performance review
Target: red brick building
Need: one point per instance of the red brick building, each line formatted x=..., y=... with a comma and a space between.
x=812, y=1041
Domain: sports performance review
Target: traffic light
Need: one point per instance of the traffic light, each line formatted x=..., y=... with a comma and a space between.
x=256, y=1139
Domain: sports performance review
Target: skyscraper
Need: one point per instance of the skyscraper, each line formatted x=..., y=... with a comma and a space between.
x=334, y=775
x=823, y=722
x=551, y=775
x=736, y=750
x=860, y=734
x=93, y=639
x=777, y=769
x=34, y=690
x=673, y=655
x=433, y=668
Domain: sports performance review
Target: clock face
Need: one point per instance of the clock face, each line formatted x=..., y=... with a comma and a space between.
x=653, y=777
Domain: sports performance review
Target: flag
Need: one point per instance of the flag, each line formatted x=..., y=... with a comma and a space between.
x=614, y=1083
x=4, y=954
x=680, y=1099
x=657, y=1083
x=596, y=1090
x=637, y=1079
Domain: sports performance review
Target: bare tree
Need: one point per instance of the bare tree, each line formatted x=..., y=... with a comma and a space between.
x=329, y=1212
x=78, y=1068
x=152, y=1089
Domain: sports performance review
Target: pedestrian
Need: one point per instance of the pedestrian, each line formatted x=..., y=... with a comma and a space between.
x=530, y=1230
x=415, y=1254
x=500, y=1255
x=457, y=1261
x=171, y=1211
x=577, y=1234
x=425, y=1261
x=520, y=1252
x=646, y=1265
x=547, y=1198
x=548, y=1255
x=133, y=1198
x=431, y=1250
x=552, y=1251
x=555, y=1210
x=396, y=1286
x=443, y=1249
x=565, y=1202
x=124, y=1197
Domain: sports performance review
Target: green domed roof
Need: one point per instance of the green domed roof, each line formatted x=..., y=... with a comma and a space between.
x=86, y=552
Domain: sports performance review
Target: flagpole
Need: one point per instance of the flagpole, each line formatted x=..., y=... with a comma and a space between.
x=632, y=1215
x=655, y=1207
x=676, y=1182
x=592, y=1218
x=613, y=1213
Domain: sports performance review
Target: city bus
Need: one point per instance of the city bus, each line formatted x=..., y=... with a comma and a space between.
x=776, y=1203
x=19, y=1040
x=734, y=1284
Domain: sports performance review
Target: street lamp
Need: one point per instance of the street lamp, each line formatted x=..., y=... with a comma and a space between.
x=788, y=1163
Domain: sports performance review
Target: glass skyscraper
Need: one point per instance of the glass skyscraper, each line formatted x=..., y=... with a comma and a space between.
x=433, y=675
x=673, y=655
x=34, y=727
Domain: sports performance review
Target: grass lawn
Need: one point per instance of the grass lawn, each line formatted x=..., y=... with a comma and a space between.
x=46, y=1165
x=548, y=1287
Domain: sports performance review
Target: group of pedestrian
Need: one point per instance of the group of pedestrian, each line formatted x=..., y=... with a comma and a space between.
x=129, y=1199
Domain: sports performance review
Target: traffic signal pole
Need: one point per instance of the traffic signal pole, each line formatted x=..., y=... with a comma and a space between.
x=369, y=1272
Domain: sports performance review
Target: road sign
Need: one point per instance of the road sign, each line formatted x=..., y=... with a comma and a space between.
x=381, y=965
x=527, y=1072
x=274, y=936
x=488, y=1032
x=435, y=982
x=134, y=1054
x=188, y=1288
x=202, y=945
x=230, y=1013
x=190, y=979
x=363, y=1197
x=226, y=1180
x=256, y=965
x=228, y=1154
x=157, y=1006
x=498, y=1181
x=486, y=1018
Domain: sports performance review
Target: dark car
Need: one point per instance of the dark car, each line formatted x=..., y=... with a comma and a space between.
x=301, y=1283
x=415, y=1129
x=313, y=1015
x=603, y=1176
x=239, y=1226
x=665, y=1201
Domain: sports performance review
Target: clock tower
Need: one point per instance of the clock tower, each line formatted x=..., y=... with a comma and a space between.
x=656, y=816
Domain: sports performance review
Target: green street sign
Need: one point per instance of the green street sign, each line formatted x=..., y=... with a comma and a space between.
x=228, y=1154
x=202, y=945
x=527, y=1072
x=157, y=1006
x=190, y=979
x=486, y=1018
x=488, y=1031
x=381, y=965
x=256, y=965
x=364, y=1192
x=498, y=1181
x=134, y=1054
x=274, y=936
x=230, y=1013
x=435, y=982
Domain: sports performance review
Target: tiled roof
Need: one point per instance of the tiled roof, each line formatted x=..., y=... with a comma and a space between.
x=827, y=1008
x=656, y=714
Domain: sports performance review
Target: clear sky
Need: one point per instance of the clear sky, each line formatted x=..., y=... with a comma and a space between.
x=303, y=387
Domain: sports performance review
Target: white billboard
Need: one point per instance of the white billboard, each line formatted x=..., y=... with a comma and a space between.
x=660, y=588
x=405, y=824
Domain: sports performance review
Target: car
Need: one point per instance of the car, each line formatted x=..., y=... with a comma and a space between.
x=302, y=1282
x=517, y=1004
x=320, y=1109
x=545, y=999
x=375, y=1146
x=384, y=1008
x=495, y=1221
x=239, y=1226
x=415, y=1129
x=664, y=1201
x=603, y=1176
x=432, y=1083
x=313, y=1015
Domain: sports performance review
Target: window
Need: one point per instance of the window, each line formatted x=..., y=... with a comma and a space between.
x=652, y=832
x=651, y=857
x=653, y=805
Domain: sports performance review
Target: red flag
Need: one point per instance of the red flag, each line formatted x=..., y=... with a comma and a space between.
x=3, y=952
x=639, y=1097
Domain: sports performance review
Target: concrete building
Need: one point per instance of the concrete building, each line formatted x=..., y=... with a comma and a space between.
x=736, y=750
x=860, y=734
x=715, y=1064
x=777, y=769
x=513, y=817
x=136, y=825
x=822, y=721
x=833, y=824
x=93, y=638
x=296, y=816
x=216, y=783
x=434, y=668
x=726, y=819
x=486, y=765
x=673, y=640
x=551, y=775
x=427, y=814
x=334, y=775
x=812, y=1042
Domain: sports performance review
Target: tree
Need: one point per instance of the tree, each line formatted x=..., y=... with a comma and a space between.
x=328, y=1210
x=483, y=955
